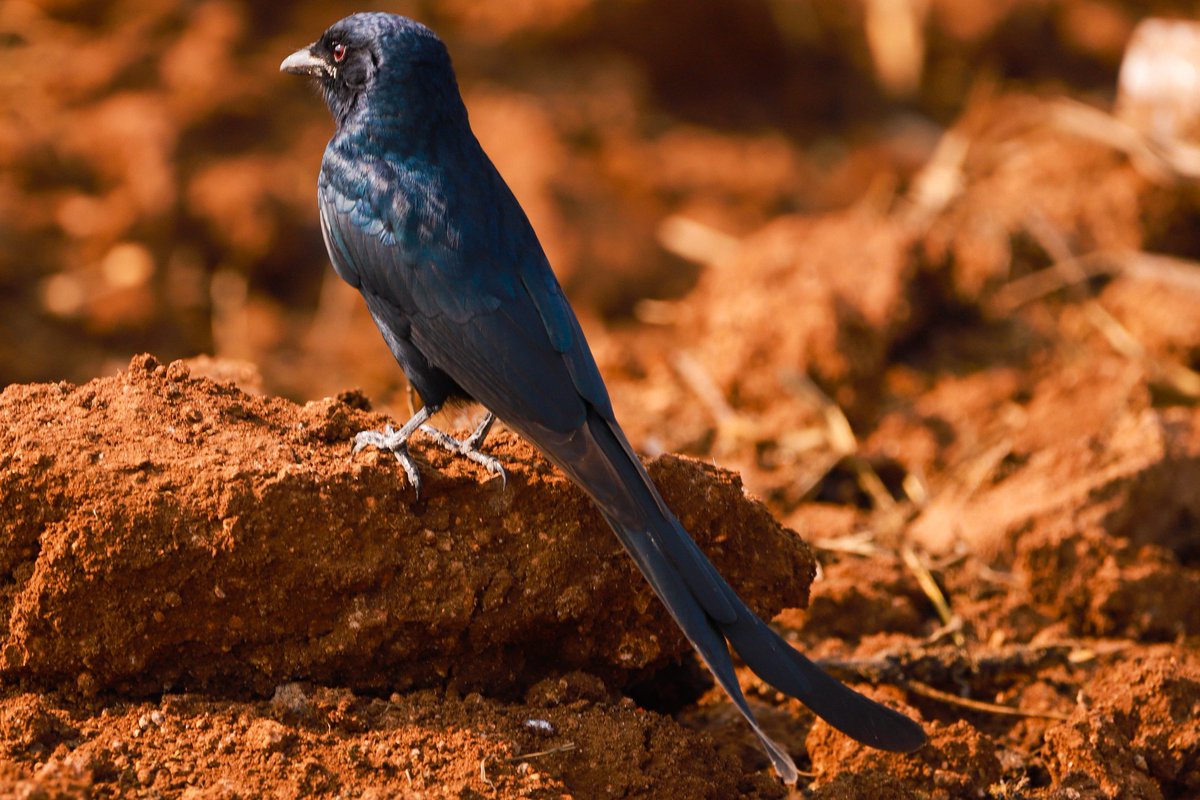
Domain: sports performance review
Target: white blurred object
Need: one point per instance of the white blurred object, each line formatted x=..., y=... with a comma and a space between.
x=896, y=37
x=1158, y=90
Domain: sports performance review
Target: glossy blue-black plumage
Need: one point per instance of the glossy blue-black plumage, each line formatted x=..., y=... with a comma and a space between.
x=416, y=217
x=419, y=221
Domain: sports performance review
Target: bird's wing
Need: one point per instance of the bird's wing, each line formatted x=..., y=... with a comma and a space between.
x=461, y=266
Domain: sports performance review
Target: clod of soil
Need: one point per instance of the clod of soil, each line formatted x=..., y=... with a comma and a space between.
x=823, y=295
x=1084, y=444
x=1008, y=215
x=957, y=762
x=806, y=308
x=165, y=533
x=1136, y=733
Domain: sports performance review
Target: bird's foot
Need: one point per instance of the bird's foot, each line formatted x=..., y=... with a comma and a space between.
x=396, y=443
x=469, y=448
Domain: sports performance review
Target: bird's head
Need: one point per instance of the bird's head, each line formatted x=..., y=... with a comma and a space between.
x=391, y=61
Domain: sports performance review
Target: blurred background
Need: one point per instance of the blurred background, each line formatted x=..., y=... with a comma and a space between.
x=157, y=173
x=924, y=273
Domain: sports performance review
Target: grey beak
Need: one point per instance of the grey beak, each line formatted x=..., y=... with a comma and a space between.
x=303, y=62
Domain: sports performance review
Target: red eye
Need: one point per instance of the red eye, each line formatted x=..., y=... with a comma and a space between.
x=339, y=52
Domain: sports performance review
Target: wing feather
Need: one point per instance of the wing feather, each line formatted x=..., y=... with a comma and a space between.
x=489, y=313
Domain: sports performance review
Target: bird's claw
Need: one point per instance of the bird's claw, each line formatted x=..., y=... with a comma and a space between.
x=469, y=448
x=490, y=463
x=410, y=470
x=382, y=440
x=390, y=440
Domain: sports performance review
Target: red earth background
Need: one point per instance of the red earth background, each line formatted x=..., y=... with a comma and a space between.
x=907, y=283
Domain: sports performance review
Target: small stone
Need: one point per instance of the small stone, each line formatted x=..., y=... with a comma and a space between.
x=178, y=372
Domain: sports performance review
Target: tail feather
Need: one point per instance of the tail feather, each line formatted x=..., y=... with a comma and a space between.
x=789, y=671
x=706, y=608
x=700, y=630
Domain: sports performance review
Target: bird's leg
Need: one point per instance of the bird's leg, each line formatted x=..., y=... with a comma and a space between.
x=469, y=447
x=396, y=441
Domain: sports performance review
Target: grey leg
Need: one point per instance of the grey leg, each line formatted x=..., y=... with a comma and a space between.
x=469, y=447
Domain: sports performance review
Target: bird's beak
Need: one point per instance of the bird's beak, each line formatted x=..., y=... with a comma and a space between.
x=303, y=62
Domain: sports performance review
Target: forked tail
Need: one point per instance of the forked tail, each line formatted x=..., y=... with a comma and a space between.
x=600, y=460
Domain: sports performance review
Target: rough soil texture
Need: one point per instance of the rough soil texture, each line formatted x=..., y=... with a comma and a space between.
x=915, y=354
x=309, y=741
x=165, y=533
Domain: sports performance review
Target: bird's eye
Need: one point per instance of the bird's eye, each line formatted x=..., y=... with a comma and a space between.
x=339, y=52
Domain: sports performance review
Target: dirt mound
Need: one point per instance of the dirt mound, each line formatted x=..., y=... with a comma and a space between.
x=170, y=533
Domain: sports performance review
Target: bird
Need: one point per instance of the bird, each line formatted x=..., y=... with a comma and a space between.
x=416, y=217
